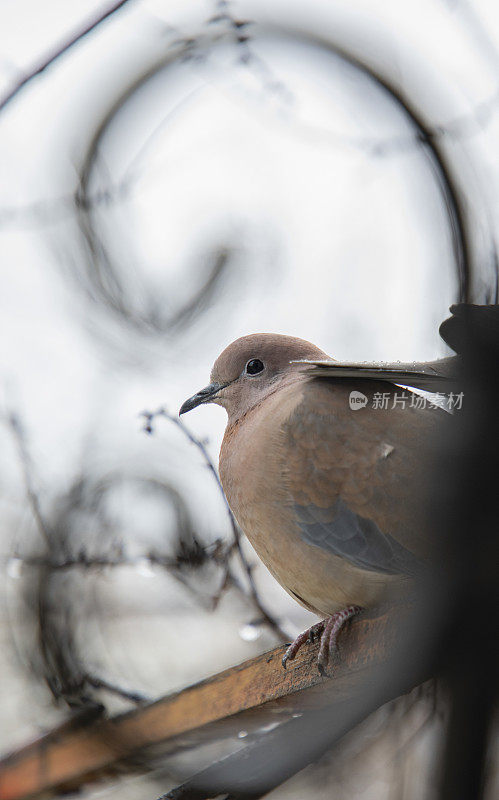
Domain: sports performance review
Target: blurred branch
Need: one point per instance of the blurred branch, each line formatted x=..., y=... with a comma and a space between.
x=59, y=50
x=441, y=165
x=215, y=552
x=149, y=417
x=45, y=211
x=100, y=683
x=104, y=277
x=59, y=660
x=86, y=561
x=61, y=664
x=25, y=461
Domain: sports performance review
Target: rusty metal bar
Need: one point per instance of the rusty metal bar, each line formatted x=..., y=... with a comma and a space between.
x=242, y=696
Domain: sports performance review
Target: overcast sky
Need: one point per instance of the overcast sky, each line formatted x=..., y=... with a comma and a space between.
x=292, y=159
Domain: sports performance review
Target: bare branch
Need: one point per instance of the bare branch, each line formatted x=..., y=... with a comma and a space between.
x=20, y=440
x=100, y=683
x=59, y=50
x=149, y=417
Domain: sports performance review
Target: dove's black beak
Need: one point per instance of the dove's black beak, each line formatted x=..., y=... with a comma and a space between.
x=204, y=396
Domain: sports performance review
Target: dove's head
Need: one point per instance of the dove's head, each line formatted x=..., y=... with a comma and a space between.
x=251, y=368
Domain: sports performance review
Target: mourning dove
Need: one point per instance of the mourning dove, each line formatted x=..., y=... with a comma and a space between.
x=322, y=464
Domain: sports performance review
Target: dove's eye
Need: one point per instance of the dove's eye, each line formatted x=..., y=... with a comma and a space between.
x=254, y=366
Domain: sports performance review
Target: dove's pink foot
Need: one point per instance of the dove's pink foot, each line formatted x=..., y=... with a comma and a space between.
x=328, y=630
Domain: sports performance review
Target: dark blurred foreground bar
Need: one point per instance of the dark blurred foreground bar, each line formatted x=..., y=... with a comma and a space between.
x=247, y=697
x=449, y=632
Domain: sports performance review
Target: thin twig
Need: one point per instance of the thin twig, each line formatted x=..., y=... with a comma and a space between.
x=93, y=562
x=100, y=683
x=149, y=417
x=171, y=565
x=20, y=440
x=58, y=51
x=49, y=563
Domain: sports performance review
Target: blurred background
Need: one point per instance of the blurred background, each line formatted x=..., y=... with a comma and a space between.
x=187, y=173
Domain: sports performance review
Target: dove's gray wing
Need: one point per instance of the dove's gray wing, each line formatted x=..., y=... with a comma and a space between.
x=442, y=375
x=355, y=478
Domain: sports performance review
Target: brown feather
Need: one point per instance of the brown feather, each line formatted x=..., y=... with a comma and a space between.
x=304, y=445
x=329, y=497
